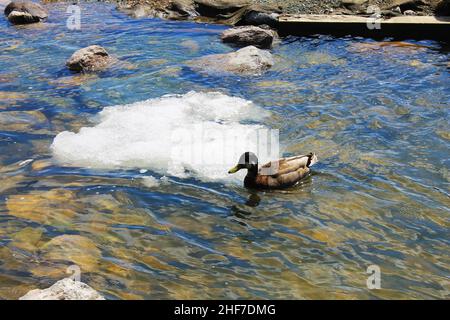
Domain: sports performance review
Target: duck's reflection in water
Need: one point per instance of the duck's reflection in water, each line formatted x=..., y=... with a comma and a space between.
x=253, y=200
x=243, y=211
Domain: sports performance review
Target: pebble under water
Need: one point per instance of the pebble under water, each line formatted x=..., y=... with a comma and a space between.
x=375, y=113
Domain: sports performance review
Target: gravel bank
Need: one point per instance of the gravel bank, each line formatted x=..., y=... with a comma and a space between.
x=335, y=6
x=420, y=7
x=299, y=6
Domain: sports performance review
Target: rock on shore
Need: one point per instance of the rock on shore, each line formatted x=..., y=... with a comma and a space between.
x=246, y=61
x=232, y=12
x=443, y=8
x=89, y=59
x=65, y=289
x=257, y=12
x=249, y=35
x=24, y=12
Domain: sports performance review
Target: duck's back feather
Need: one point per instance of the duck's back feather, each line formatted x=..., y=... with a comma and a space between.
x=281, y=173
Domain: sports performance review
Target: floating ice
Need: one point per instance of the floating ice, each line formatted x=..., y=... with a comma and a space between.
x=196, y=134
x=150, y=182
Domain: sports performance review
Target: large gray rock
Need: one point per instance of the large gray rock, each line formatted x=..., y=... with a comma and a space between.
x=409, y=13
x=246, y=61
x=354, y=5
x=442, y=8
x=212, y=8
x=249, y=35
x=258, y=18
x=231, y=12
x=65, y=289
x=24, y=12
x=89, y=59
x=238, y=12
x=182, y=8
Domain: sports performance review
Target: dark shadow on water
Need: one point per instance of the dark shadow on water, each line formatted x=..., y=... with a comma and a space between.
x=246, y=210
x=253, y=200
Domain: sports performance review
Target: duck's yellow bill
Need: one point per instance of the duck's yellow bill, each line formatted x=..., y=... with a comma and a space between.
x=234, y=169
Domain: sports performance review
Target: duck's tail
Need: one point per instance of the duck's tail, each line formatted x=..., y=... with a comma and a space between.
x=312, y=159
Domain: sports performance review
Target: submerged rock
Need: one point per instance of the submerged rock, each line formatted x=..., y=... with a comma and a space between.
x=24, y=12
x=191, y=45
x=89, y=59
x=74, y=249
x=246, y=61
x=65, y=289
x=56, y=207
x=23, y=121
x=249, y=35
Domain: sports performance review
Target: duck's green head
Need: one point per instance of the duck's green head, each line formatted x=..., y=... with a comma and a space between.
x=248, y=160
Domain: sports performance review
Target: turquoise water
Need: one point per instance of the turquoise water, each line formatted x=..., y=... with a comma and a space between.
x=376, y=114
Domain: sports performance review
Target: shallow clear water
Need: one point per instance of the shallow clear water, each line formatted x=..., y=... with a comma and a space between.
x=376, y=114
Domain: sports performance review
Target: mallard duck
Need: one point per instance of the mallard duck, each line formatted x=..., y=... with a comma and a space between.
x=281, y=173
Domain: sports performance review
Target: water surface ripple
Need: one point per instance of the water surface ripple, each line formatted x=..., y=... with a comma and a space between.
x=376, y=115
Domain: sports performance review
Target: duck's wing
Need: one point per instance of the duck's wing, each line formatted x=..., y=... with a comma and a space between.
x=285, y=165
x=294, y=163
x=286, y=179
x=283, y=172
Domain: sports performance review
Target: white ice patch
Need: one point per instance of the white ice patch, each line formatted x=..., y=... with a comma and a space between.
x=150, y=182
x=196, y=134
